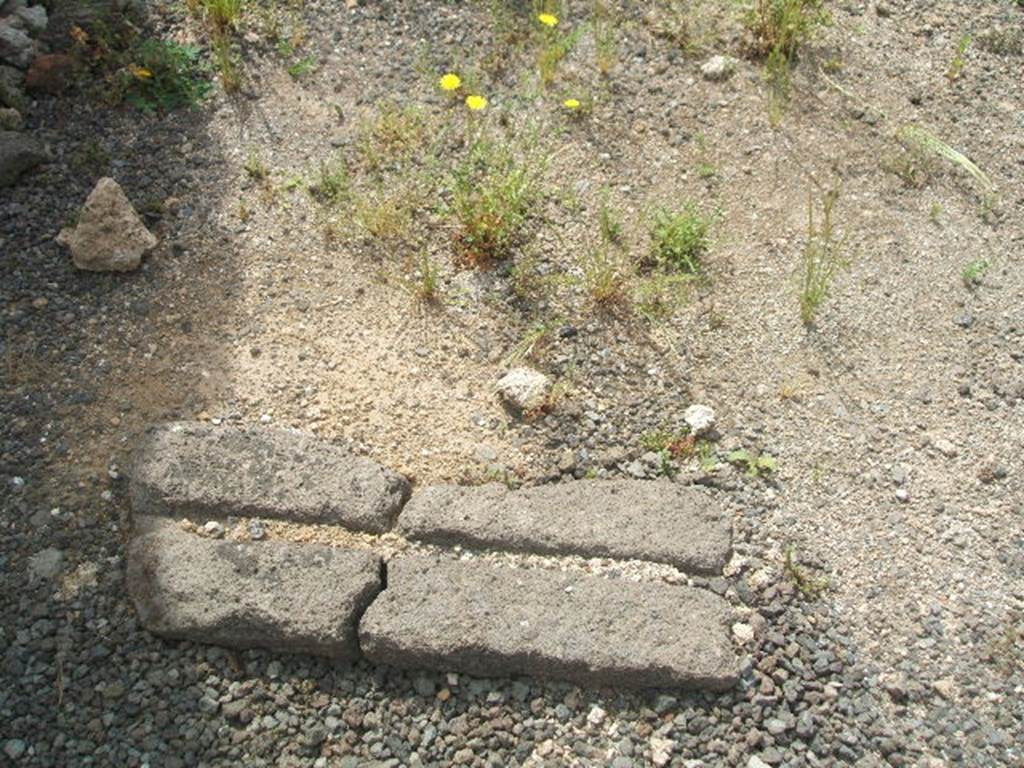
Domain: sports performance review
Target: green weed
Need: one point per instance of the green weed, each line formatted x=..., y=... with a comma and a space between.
x=332, y=185
x=605, y=277
x=973, y=272
x=494, y=189
x=162, y=75
x=809, y=585
x=755, y=464
x=302, y=67
x=822, y=258
x=778, y=29
x=255, y=168
x=606, y=37
x=956, y=66
x=658, y=296
x=680, y=238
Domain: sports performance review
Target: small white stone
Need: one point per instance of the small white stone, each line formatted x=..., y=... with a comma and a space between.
x=718, y=68
x=214, y=529
x=524, y=388
x=661, y=751
x=744, y=633
x=945, y=447
x=699, y=418
x=596, y=716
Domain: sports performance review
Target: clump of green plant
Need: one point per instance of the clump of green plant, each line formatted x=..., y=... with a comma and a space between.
x=332, y=185
x=425, y=284
x=394, y=134
x=973, y=272
x=778, y=28
x=222, y=15
x=605, y=277
x=555, y=46
x=494, y=189
x=389, y=209
x=956, y=66
x=302, y=67
x=609, y=221
x=822, y=258
x=658, y=295
x=809, y=585
x=222, y=18
x=606, y=37
x=680, y=238
x=691, y=25
x=755, y=464
x=161, y=75
x=705, y=166
x=255, y=168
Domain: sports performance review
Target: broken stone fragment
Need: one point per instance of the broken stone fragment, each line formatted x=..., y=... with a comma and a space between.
x=524, y=388
x=109, y=236
x=19, y=152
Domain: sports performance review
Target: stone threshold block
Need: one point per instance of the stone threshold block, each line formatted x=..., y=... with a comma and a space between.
x=658, y=521
x=194, y=470
x=489, y=620
x=296, y=598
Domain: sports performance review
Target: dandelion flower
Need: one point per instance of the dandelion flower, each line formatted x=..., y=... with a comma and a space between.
x=571, y=103
x=476, y=103
x=141, y=72
x=450, y=82
x=547, y=19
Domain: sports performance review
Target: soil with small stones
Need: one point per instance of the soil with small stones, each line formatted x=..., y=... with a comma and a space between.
x=896, y=420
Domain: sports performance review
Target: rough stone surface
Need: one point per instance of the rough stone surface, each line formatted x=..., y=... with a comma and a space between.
x=109, y=236
x=647, y=520
x=495, y=620
x=34, y=18
x=16, y=47
x=19, y=152
x=10, y=119
x=195, y=469
x=524, y=388
x=276, y=595
x=11, y=81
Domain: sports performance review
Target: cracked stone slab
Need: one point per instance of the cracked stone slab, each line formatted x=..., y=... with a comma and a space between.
x=492, y=620
x=195, y=469
x=296, y=598
x=628, y=519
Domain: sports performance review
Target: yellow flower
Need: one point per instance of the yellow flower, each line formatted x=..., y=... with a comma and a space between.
x=141, y=72
x=79, y=35
x=547, y=19
x=476, y=103
x=571, y=103
x=450, y=82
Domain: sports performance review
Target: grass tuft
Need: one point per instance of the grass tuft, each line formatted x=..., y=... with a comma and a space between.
x=822, y=258
x=680, y=238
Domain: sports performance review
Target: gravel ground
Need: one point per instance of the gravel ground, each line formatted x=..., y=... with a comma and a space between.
x=896, y=422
